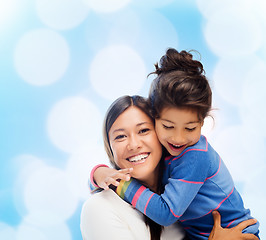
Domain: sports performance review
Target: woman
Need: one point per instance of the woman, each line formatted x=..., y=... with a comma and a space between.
x=130, y=138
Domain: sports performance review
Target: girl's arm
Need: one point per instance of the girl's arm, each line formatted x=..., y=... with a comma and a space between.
x=102, y=176
x=219, y=233
x=184, y=182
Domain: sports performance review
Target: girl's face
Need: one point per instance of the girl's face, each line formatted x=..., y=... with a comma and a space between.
x=134, y=143
x=178, y=129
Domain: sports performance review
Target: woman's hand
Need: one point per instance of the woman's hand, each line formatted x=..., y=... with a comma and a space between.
x=219, y=233
x=105, y=176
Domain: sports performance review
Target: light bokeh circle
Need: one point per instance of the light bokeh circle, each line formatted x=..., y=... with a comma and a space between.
x=7, y=232
x=153, y=3
x=51, y=232
x=229, y=77
x=154, y=41
x=253, y=111
x=48, y=197
x=41, y=57
x=210, y=8
x=25, y=165
x=106, y=6
x=237, y=145
x=62, y=14
x=80, y=165
x=29, y=232
x=254, y=195
x=120, y=28
x=231, y=32
x=8, y=10
x=258, y=7
x=117, y=70
x=74, y=122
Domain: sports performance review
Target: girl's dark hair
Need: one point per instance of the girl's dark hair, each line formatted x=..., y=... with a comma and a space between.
x=115, y=110
x=181, y=83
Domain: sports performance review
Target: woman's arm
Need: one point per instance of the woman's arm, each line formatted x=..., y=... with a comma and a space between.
x=219, y=233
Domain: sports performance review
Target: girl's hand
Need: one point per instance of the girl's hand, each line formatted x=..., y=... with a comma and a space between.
x=104, y=176
x=219, y=233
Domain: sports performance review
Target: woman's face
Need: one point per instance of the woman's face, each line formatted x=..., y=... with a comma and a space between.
x=135, y=144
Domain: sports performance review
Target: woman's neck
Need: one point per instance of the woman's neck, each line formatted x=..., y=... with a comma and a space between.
x=151, y=181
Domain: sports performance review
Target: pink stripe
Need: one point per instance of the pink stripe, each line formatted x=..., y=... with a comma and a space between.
x=211, y=209
x=174, y=213
x=168, y=157
x=147, y=203
x=137, y=194
x=203, y=233
x=217, y=170
x=224, y=199
x=230, y=223
x=182, y=180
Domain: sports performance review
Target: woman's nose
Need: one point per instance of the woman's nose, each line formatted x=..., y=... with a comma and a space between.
x=134, y=143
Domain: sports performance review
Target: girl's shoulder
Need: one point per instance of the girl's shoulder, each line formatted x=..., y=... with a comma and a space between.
x=200, y=146
x=198, y=151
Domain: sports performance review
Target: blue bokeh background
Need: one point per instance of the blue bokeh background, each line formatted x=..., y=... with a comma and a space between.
x=62, y=63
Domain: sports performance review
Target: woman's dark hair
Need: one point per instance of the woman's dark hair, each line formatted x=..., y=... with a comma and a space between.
x=115, y=110
x=180, y=83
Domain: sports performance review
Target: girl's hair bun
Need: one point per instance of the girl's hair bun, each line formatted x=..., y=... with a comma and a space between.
x=178, y=61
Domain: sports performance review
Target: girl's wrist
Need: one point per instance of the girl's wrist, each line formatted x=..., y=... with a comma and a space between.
x=92, y=174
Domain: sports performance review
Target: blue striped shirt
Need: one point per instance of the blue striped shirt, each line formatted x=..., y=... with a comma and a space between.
x=196, y=183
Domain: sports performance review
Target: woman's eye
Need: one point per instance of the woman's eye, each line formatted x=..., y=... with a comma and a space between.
x=191, y=129
x=120, y=137
x=167, y=127
x=145, y=130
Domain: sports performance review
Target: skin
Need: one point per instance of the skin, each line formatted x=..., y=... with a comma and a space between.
x=134, y=144
x=177, y=129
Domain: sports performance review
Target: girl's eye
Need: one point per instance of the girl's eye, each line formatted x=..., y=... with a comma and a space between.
x=120, y=137
x=167, y=127
x=144, y=130
x=191, y=129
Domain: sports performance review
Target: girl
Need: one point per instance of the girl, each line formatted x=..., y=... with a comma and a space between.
x=195, y=178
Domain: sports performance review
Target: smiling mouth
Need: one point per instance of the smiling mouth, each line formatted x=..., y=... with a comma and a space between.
x=177, y=147
x=138, y=158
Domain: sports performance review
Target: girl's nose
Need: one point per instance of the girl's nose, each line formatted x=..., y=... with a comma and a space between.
x=178, y=138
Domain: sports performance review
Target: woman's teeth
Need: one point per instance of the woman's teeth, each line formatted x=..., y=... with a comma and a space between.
x=138, y=157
